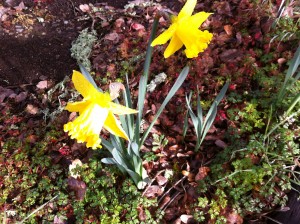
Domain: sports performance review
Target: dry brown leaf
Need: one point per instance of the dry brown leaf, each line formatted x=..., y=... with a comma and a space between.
x=84, y=8
x=142, y=215
x=43, y=84
x=161, y=180
x=203, y=172
x=114, y=37
x=228, y=29
x=153, y=191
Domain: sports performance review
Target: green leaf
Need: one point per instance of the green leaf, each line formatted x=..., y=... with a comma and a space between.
x=108, y=161
x=144, y=80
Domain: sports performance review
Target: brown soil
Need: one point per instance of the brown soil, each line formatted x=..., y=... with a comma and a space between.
x=41, y=50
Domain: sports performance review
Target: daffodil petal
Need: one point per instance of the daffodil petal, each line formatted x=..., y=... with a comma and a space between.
x=83, y=86
x=175, y=45
x=120, y=109
x=165, y=36
x=77, y=106
x=199, y=18
x=112, y=125
x=187, y=9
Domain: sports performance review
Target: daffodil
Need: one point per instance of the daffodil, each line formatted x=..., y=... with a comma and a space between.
x=96, y=111
x=184, y=30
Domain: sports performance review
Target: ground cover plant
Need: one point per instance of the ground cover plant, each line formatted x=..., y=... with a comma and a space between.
x=193, y=132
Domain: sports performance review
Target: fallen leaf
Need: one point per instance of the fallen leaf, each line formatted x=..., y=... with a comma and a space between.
x=21, y=97
x=20, y=7
x=228, y=29
x=84, y=8
x=43, y=84
x=231, y=55
x=31, y=109
x=153, y=191
x=202, y=173
x=186, y=218
x=78, y=186
x=114, y=37
x=4, y=92
x=234, y=218
x=141, y=212
x=161, y=180
x=114, y=89
x=137, y=26
x=220, y=144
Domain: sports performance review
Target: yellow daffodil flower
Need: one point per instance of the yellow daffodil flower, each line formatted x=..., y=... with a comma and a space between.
x=96, y=111
x=185, y=31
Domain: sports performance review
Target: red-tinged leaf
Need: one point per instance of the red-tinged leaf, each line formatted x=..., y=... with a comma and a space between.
x=137, y=26
x=153, y=191
x=171, y=213
x=203, y=172
x=161, y=180
x=78, y=186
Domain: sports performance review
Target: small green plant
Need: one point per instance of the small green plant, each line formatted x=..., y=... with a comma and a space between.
x=202, y=125
x=159, y=141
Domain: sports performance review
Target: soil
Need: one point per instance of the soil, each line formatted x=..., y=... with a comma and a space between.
x=33, y=50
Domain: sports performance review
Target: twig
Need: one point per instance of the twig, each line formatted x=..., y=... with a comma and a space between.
x=152, y=182
x=182, y=179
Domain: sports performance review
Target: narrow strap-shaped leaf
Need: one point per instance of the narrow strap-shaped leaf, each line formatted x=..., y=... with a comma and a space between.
x=293, y=104
x=199, y=110
x=173, y=90
x=107, y=144
x=144, y=80
x=221, y=95
x=185, y=124
x=119, y=158
x=291, y=70
x=108, y=161
x=193, y=116
x=209, y=121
